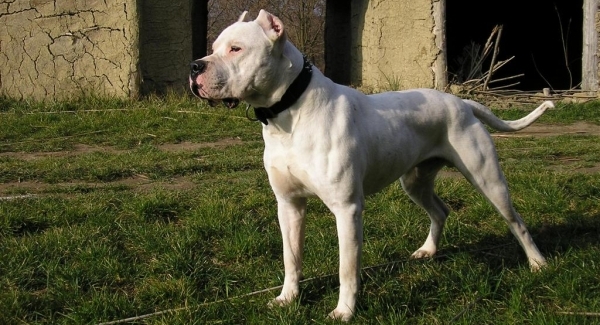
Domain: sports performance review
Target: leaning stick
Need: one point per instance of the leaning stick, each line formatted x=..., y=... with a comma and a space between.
x=494, y=55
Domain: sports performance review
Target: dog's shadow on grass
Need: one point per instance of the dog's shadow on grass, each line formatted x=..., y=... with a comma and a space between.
x=497, y=252
x=578, y=233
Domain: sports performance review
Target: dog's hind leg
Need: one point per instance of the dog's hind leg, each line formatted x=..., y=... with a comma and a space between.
x=419, y=185
x=475, y=157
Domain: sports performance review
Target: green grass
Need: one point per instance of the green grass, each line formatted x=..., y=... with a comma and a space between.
x=127, y=227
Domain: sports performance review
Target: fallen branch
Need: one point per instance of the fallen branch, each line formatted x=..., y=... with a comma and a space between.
x=506, y=86
x=477, y=82
x=471, y=304
x=573, y=313
x=507, y=78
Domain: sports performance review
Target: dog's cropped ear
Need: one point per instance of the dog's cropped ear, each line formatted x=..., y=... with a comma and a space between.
x=272, y=25
x=243, y=17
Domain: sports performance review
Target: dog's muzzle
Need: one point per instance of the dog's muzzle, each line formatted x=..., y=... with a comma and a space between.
x=197, y=68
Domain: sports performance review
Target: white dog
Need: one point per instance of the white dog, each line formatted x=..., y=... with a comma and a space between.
x=333, y=142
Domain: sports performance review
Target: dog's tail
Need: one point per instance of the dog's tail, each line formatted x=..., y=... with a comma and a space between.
x=486, y=116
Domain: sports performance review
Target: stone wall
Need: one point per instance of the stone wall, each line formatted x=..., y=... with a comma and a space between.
x=54, y=49
x=393, y=44
x=61, y=48
x=65, y=48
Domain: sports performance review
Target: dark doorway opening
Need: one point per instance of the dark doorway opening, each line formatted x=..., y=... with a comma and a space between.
x=544, y=36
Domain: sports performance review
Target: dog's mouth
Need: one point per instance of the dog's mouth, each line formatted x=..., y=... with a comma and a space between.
x=230, y=102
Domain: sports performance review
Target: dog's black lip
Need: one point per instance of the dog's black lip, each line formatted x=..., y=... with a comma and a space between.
x=195, y=90
x=230, y=102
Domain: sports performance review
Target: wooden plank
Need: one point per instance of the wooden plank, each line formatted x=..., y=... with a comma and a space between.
x=440, y=70
x=589, y=69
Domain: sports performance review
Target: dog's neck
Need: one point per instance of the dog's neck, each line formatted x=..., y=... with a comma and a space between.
x=279, y=94
x=291, y=95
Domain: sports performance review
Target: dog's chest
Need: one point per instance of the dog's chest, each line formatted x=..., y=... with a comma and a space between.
x=290, y=178
x=291, y=167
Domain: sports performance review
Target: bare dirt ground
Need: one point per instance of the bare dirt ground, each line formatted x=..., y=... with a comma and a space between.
x=86, y=149
x=545, y=130
x=139, y=182
x=142, y=183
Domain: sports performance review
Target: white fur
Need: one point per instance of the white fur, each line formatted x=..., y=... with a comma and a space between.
x=340, y=145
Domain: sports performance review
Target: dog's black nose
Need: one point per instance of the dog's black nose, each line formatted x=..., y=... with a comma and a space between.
x=197, y=67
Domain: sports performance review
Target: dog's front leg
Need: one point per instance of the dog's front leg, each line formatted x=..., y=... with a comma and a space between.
x=350, y=235
x=291, y=214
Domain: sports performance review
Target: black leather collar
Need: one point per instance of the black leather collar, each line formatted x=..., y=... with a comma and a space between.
x=291, y=95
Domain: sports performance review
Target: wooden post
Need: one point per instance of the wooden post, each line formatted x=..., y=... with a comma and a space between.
x=589, y=67
x=440, y=69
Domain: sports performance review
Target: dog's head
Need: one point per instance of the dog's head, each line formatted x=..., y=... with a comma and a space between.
x=246, y=64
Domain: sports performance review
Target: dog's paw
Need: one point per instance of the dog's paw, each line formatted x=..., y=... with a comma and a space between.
x=280, y=301
x=343, y=314
x=421, y=253
x=537, y=266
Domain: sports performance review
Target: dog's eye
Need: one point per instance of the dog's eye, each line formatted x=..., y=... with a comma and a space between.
x=235, y=49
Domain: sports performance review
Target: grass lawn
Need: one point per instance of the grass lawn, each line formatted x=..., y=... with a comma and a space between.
x=111, y=209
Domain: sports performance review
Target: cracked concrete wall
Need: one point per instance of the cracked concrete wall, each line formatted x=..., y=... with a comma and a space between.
x=63, y=48
x=596, y=85
x=393, y=44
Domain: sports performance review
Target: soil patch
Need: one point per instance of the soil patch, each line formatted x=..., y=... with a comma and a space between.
x=142, y=183
x=139, y=183
x=80, y=149
x=190, y=146
x=547, y=130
